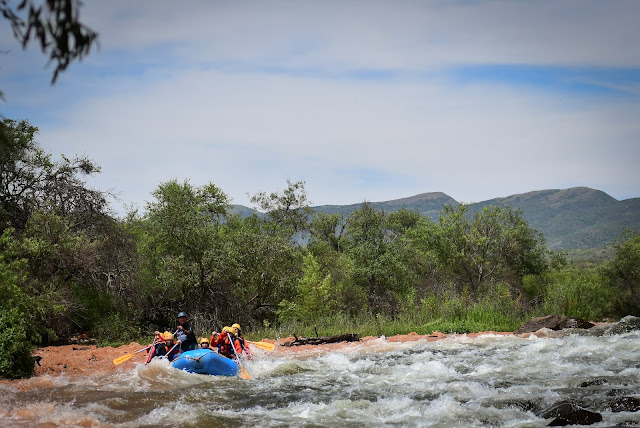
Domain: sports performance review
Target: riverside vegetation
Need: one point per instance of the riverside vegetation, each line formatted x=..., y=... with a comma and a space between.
x=68, y=265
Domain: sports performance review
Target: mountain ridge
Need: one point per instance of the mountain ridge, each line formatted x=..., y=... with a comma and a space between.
x=572, y=218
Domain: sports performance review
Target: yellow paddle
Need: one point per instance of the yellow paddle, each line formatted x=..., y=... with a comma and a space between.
x=127, y=357
x=266, y=346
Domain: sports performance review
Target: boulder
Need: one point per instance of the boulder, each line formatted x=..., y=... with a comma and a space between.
x=577, y=417
x=594, y=382
x=625, y=325
x=558, y=409
x=625, y=404
x=553, y=322
x=568, y=413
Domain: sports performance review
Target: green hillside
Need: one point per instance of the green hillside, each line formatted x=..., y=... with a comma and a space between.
x=575, y=218
x=427, y=204
x=570, y=219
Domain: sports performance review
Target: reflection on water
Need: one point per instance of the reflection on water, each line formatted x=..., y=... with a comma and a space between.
x=489, y=381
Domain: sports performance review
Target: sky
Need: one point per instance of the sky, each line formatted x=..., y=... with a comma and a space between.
x=363, y=100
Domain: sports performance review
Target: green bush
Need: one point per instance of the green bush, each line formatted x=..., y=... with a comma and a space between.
x=16, y=344
x=116, y=329
x=623, y=273
x=18, y=330
x=581, y=294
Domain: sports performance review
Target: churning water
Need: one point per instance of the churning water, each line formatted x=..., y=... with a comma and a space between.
x=460, y=382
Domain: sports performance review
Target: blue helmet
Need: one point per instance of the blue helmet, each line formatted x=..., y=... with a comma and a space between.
x=182, y=314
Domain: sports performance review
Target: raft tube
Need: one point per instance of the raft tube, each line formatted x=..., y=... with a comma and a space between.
x=205, y=361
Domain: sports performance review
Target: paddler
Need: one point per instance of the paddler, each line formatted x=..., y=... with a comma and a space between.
x=204, y=343
x=241, y=344
x=185, y=334
x=223, y=342
x=166, y=346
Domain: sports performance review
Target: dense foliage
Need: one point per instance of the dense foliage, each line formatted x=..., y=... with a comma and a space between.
x=68, y=266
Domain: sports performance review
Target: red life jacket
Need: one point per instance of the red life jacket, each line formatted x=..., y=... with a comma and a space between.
x=224, y=345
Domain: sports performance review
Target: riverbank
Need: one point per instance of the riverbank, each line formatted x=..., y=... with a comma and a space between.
x=81, y=360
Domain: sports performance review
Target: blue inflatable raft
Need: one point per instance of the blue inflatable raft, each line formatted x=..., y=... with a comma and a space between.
x=205, y=361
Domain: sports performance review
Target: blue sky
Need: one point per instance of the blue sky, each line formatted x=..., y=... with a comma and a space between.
x=363, y=100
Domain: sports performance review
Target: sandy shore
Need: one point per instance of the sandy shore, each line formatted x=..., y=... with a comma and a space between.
x=81, y=360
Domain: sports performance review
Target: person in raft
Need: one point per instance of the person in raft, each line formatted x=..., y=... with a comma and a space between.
x=241, y=344
x=204, y=343
x=223, y=342
x=185, y=334
x=166, y=347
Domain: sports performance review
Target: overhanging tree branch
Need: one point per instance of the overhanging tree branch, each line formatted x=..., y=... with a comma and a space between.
x=55, y=24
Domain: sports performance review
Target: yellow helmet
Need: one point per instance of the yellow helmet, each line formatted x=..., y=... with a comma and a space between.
x=167, y=335
x=203, y=340
x=236, y=326
x=226, y=329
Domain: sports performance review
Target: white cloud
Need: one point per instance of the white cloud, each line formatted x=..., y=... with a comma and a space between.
x=189, y=91
x=237, y=130
x=376, y=34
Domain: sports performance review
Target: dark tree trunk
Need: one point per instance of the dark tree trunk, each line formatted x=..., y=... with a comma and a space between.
x=348, y=337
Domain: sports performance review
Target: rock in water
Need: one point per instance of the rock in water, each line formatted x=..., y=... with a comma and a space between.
x=559, y=409
x=625, y=325
x=578, y=417
x=553, y=322
x=625, y=404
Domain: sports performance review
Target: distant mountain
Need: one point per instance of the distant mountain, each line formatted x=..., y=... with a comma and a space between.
x=427, y=204
x=579, y=217
x=575, y=218
x=242, y=210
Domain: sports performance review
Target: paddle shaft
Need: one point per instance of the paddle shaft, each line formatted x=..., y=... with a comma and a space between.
x=243, y=373
x=124, y=358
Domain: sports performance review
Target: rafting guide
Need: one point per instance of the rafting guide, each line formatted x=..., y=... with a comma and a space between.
x=185, y=334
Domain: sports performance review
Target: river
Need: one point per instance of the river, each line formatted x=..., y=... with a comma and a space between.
x=492, y=380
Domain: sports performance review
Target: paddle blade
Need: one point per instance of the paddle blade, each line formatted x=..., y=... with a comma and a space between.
x=127, y=357
x=265, y=346
x=122, y=359
x=244, y=374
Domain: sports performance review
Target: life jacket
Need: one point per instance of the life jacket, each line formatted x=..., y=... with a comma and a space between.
x=224, y=345
x=237, y=345
x=162, y=348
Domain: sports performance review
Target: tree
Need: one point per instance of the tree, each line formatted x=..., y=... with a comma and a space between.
x=262, y=267
x=497, y=243
x=327, y=229
x=314, y=297
x=373, y=240
x=63, y=231
x=289, y=209
x=180, y=245
x=30, y=180
x=623, y=272
x=56, y=25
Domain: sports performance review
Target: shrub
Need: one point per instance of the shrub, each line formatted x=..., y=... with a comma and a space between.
x=580, y=294
x=623, y=272
x=16, y=344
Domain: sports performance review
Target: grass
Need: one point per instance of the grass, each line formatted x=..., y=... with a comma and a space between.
x=474, y=320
